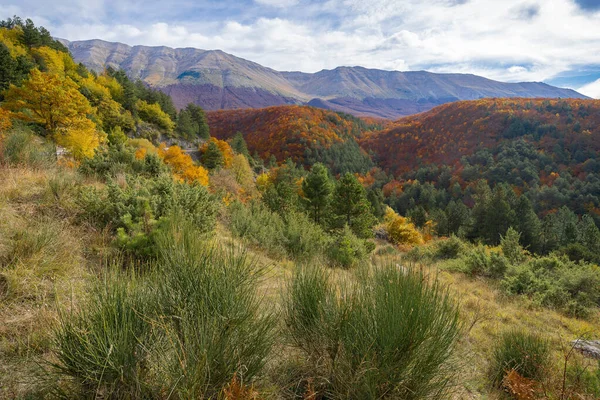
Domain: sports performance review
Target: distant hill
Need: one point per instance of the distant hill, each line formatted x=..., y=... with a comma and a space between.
x=304, y=134
x=216, y=80
x=568, y=130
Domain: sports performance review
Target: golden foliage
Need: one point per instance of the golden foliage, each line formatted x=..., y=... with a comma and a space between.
x=81, y=143
x=5, y=119
x=142, y=147
x=10, y=38
x=116, y=90
x=153, y=114
x=263, y=181
x=53, y=60
x=183, y=166
x=142, y=143
x=520, y=388
x=109, y=113
x=400, y=230
x=243, y=174
x=57, y=104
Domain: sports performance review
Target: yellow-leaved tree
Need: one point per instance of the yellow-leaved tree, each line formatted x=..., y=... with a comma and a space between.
x=109, y=113
x=183, y=166
x=244, y=175
x=56, y=103
x=54, y=61
x=400, y=230
x=10, y=38
x=153, y=114
x=142, y=147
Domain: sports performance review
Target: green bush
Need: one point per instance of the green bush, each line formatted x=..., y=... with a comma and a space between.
x=216, y=326
x=450, y=248
x=293, y=235
x=258, y=225
x=104, y=346
x=511, y=248
x=387, y=333
x=304, y=240
x=579, y=252
x=187, y=328
x=480, y=261
x=120, y=159
x=419, y=253
x=526, y=353
x=347, y=250
x=555, y=281
x=138, y=196
x=135, y=210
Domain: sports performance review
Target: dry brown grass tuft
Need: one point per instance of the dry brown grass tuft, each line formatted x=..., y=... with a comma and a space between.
x=521, y=388
x=238, y=390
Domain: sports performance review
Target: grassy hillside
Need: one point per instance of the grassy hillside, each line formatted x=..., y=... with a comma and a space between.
x=57, y=252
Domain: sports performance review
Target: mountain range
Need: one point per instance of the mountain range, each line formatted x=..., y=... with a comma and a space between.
x=216, y=80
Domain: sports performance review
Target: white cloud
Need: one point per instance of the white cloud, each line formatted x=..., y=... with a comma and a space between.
x=591, y=89
x=277, y=3
x=512, y=40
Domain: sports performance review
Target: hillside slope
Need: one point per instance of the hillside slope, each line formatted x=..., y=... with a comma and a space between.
x=448, y=132
x=217, y=80
x=298, y=132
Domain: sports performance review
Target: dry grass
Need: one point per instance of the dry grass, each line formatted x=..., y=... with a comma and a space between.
x=42, y=261
x=487, y=312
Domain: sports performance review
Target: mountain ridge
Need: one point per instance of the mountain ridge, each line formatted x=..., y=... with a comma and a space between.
x=217, y=80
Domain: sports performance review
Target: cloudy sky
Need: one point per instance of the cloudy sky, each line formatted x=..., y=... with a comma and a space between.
x=556, y=41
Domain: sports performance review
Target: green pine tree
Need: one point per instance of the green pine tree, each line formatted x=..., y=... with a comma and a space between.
x=482, y=196
x=588, y=234
x=282, y=195
x=199, y=117
x=8, y=67
x=499, y=216
x=377, y=200
x=458, y=216
x=186, y=127
x=351, y=207
x=528, y=225
x=317, y=190
x=213, y=157
x=238, y=144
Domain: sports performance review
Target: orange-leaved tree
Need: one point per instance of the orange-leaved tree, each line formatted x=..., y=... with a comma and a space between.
x=56, y=104
x=183, y=166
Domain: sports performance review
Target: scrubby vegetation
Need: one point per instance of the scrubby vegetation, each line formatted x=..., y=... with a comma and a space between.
x=386, y=334
x=141, y=257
